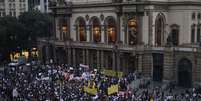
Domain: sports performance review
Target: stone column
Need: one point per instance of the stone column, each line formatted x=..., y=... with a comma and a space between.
x=47, y=54
x=40, y=51
x=139, y=29
x=84, y=56
x=77, y=33
x=69, y=28
x=195, y=38
x=57, y=31
x=69, y=56
x=74, y=57
x=113, y=61
x=102, y=59
x=118, y=61
x=88, y=33
x=118, y=27
x=106, y=59
x=150, y=28
x=98, y=58
x=140, y=63
x=103, y=33
x=124, y=64
x=125, y=23
x=55, y=54
x=87, y=56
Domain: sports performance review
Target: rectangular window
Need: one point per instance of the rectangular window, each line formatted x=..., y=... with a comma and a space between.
x=175, y=37
x=4, y=13
x=14, y=13
x=10, y=5
x=193, y=16
x=192, y=35
x=198, y=35
x=199, y=16
x=10, y=13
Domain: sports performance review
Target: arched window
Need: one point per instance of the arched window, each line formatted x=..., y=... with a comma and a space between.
x=96, y=29
x=63, y=28
x=159, y=29
x=81, y=29
x=132, y=31
x=193, y=33
x=111, y=32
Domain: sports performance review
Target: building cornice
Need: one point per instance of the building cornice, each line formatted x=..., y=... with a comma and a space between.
x=145, y=3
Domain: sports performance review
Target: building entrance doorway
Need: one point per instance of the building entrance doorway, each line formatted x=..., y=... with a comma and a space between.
x=157, y=67
x=185, y=73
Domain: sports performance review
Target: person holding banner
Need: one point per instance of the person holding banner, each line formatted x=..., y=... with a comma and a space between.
x=113, y=89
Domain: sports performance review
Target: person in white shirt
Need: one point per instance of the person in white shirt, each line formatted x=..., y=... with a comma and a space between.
x=15, y=93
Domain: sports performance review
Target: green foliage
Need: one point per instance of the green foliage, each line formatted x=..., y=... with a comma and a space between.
x=23, y=31
x=37, y=24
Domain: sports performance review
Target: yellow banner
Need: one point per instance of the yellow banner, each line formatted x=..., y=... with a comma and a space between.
x=112, y=73
x=113, y=89
x=92, y=91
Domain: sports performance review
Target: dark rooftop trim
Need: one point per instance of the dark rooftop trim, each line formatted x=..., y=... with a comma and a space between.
x=179, y=3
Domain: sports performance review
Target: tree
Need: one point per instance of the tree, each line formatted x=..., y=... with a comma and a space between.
x=9, y=35
x=37, y=24
x=22, y=32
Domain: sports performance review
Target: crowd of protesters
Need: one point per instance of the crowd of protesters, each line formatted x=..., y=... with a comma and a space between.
x=65, y=83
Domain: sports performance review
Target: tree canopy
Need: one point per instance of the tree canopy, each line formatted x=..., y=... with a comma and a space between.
x=22, y=32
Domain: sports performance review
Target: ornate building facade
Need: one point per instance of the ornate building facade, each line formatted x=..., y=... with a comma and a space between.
x=158, y=38
x=13, y=7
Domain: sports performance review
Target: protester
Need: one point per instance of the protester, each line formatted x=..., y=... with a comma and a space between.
x=65, y=83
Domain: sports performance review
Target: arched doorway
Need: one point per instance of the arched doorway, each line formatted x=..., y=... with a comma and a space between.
x=132, y=31
x=159, y=29
x=63, y=28
x=81, y=29
x=184, y=73
x=111, y=32
x=96, y=29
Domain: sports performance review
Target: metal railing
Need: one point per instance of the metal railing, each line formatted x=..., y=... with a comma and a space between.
x=122, y=47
